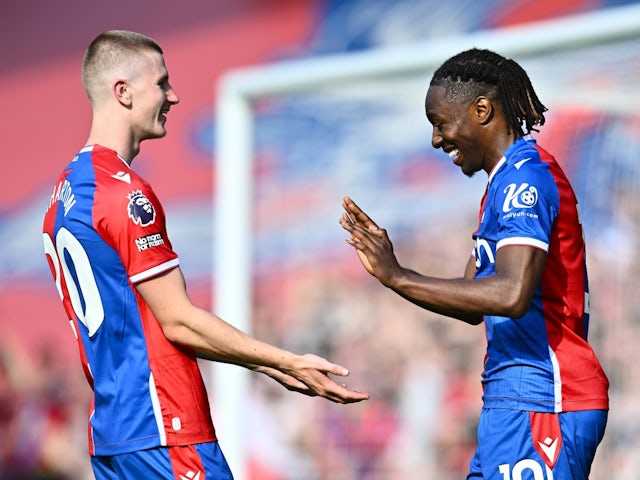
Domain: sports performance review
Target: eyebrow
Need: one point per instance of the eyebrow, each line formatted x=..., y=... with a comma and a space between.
x=432, y=117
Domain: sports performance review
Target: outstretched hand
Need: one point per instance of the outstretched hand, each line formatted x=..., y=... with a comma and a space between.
x=310, y=376
x=371, y=242
x=287, y=381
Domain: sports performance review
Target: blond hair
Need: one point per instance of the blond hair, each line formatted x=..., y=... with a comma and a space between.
x=109, y=52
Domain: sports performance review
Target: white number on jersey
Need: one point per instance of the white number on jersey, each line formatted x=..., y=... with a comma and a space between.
x=92, y=315
x=527, y=464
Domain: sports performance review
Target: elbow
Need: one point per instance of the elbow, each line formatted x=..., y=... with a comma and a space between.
x=515, y=306
x=510, y=300
x=173, y=330
x=518, y=312
x=172, y=333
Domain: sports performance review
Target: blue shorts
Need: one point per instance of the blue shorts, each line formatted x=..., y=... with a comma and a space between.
x=189, y=462
x=517, y=445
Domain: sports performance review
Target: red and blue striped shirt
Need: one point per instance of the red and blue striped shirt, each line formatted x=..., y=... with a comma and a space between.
x=542, y=361
x=104, y=231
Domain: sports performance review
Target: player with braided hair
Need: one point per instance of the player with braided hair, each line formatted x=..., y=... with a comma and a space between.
x=545, y=394
x=502, y=78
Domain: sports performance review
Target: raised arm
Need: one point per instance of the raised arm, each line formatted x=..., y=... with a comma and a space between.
x=508, y=292
x=186, y=324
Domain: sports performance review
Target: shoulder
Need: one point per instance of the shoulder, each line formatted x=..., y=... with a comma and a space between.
x=120, y=191
x=114, y=176
x=525, y=165
x=525, y=181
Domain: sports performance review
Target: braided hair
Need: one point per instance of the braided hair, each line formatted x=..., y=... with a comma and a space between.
x=482, y=72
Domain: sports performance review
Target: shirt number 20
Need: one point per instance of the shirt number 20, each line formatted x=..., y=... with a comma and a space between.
x=67, y=254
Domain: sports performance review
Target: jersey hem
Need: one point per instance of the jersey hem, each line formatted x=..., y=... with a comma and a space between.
x=152, y=442
x=547, y=406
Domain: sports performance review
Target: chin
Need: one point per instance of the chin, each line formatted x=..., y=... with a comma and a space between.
x=470, y=169
x=469, y=173
x=156, y=134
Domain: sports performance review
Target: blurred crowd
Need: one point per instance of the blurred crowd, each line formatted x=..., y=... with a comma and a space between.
x=43, y=409
x=422, y=370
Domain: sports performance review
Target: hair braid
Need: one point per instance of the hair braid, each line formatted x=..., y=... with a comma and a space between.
x=483, y=72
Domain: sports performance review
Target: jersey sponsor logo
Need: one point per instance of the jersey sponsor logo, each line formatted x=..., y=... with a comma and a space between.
x=63, y=192
x=519, y=196
x=140, y=209
x=149, y=241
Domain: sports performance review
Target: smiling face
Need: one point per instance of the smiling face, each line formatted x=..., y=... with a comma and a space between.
x=458, y=129
x=479, y=103
x=151, y=96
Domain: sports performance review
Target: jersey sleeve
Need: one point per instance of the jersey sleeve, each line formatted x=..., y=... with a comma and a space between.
x=527, y=203
x=132, y=220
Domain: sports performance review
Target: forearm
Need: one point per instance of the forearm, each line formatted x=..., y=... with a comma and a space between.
x=211, y=358
x=465, y=299
x=285, y=379
x=186, y=324
x=215, y=339
x=249, y=366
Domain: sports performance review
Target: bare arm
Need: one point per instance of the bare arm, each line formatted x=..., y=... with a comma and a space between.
x=290, y=383
x=470, y=318
x=186, y=324
x=508, y=292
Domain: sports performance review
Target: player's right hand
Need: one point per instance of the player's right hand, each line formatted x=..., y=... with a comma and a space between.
x=314, y=371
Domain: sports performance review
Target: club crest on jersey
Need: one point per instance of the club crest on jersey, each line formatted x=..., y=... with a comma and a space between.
x=140, y=209
x=521, y=196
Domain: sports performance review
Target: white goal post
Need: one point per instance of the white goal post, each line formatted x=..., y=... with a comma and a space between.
x=234, y=124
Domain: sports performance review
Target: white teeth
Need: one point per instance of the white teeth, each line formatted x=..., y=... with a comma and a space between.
x=453, y=153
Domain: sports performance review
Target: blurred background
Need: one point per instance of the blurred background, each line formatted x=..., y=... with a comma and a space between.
x=369, y=140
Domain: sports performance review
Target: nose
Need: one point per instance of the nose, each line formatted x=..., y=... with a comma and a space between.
x=436, y=138
x=172, y=96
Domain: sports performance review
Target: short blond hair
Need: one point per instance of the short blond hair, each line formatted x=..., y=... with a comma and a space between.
x=109, y=51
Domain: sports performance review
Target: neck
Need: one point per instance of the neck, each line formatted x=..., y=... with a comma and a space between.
x=496, y=151
x=121, y=141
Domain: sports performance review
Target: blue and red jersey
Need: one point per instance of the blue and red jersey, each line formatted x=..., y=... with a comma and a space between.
x=104, y=231
x=542, y=361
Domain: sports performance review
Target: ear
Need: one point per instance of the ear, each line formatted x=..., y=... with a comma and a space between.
x=484, y=110
x=122, y=92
